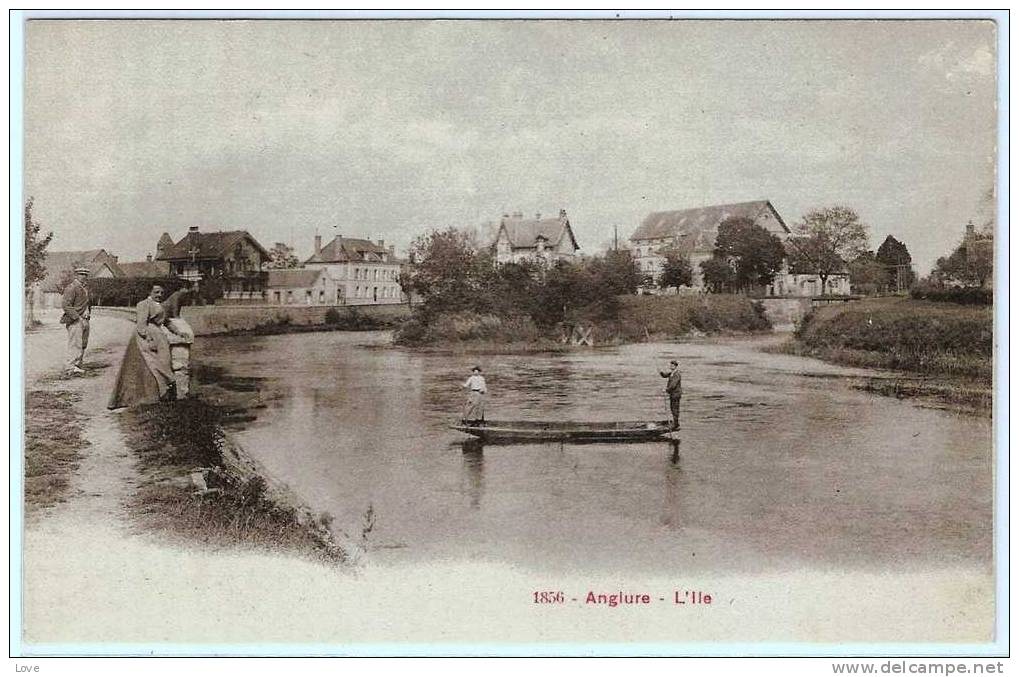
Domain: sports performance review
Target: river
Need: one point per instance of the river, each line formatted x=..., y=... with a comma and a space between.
x=782, y=463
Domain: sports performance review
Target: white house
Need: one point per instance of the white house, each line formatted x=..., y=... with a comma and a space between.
x=545, y=241
x=364, y=272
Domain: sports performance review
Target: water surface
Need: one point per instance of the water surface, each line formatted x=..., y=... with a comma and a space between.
x=782, y=463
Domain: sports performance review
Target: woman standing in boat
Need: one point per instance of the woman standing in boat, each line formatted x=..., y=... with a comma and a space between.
x=474, y=408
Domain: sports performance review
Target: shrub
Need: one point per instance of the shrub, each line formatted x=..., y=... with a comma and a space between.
x=970, y=296
x=332, y=316
x=909, y=335
x=467, y=326
x=646, y=316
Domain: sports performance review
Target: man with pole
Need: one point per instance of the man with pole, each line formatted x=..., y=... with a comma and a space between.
x=673, y=390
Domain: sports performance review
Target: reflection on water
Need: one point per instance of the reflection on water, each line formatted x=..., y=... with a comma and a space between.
x=782, y=462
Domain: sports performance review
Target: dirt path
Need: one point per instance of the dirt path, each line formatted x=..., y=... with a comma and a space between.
x=105, y=475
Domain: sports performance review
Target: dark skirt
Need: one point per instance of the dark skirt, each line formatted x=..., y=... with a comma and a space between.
x=135, y=382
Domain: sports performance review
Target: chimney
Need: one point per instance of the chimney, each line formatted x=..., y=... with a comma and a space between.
x=318, y=244
x=382, y=243
x=193, y=229
x=970, y=228
x=392, y=251
x=148, y=258
x=562, y=213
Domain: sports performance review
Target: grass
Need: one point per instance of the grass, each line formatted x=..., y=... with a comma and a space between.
x=944, y=351
x=172, y=441
x=651, y=317
x=53, y=444
x=917, y=336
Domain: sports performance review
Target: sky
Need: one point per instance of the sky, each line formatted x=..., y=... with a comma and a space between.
x=387, y=130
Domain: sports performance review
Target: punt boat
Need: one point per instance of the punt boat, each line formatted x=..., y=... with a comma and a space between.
x=567, y=431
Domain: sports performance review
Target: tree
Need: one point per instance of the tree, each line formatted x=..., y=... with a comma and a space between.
x=676, y=271
x=448, y=271
x=754, y=254
x=897, y=262
x=282, y=256
x=971, y=264
x=35, y=257
x=718, y=274
x=828, y=238
x=866, y=274
x=616, y=272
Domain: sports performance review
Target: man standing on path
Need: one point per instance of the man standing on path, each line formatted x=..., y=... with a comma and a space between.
x=77, y=310
x=674, y=389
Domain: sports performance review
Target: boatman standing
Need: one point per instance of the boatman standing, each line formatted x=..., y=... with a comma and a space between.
x=674, y=389
x=77, y=310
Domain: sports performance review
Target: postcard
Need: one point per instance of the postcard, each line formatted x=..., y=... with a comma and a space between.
x=508, y=335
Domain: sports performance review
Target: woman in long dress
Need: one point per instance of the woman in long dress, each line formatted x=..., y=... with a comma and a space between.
x=146, y=373
x=474, y=407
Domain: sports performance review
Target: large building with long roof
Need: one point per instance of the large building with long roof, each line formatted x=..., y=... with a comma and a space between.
x=692, y=233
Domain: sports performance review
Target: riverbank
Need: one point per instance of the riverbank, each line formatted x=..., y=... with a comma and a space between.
x=634, y=319
x=941, y=352
x=197, y=484
x=187, y=477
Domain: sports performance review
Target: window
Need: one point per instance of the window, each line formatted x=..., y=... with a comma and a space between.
x=321, y=296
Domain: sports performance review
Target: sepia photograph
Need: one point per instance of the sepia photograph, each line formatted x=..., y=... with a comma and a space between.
x=508, y=336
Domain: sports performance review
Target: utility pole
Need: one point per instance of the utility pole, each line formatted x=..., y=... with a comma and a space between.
x=615, y=238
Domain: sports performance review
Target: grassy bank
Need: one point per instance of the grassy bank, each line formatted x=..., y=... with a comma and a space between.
x=53, y=444
x=278, y=327
x=191, y=485
x=945, y=350
x=657, y=317
x=632, y=319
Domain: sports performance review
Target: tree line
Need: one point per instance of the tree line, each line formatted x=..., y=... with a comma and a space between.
x=453, y=273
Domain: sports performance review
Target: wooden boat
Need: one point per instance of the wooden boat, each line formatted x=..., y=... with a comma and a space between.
x=566, y=431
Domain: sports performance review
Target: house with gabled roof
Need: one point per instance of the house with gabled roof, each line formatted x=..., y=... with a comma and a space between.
x=545, y=241
x=147, y=268
x=692, y=233
x=301, y=287
x=364, y=272
x=232, y=258
x=48, y=292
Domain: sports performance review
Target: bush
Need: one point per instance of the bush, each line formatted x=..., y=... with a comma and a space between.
x=467, y=326
x=969, y=296
x=643, y=317
x=332, y=316
x=909, y=335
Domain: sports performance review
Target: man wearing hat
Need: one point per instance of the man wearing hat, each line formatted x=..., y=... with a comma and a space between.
x=77, y=310
x=674, y=389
